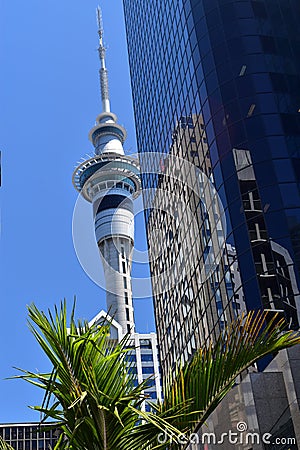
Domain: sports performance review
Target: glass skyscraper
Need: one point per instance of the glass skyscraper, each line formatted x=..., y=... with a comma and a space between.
x=217, y=83
x=216, y=92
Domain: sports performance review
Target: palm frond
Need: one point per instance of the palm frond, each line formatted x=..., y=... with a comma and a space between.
x=205, y=380
x=4, y=445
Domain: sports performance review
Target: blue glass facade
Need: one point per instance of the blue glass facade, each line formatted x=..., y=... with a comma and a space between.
x=249, y=64
x=217, y=83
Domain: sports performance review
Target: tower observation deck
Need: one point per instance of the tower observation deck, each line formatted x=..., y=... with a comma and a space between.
x=110, y=180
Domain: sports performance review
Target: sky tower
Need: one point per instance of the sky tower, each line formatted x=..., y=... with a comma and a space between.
x=110, y=180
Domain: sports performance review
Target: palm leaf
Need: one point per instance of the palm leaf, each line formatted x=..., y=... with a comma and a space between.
x=205, y=380
x=4, y=445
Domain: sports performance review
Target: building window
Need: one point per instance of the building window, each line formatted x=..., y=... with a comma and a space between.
x=268, y=44
x=130, y=357
x=126, y=298
x=152, y=395
x=145, y=343
x=150, y=383
x=147, y=357
x=149, y=370
x=186, y=122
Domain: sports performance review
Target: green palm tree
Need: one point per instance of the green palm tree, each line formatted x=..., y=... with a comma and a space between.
x=89, y=393
x=91, y=396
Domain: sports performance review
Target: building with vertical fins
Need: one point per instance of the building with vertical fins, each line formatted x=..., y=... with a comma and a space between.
x=28, y=436
x=110, y=181
x=216, y=83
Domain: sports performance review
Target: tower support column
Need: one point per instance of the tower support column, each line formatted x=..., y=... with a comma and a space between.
x=116, y=259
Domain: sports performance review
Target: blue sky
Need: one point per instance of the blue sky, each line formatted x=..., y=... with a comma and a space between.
x=49, y=94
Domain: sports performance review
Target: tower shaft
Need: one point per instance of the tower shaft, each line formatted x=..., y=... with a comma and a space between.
x=117, y=269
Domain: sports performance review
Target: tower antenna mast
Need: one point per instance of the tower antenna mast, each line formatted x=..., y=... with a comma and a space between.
x=103, y=71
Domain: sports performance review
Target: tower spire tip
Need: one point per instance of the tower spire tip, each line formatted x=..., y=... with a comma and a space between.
x=103, y=70
x=99, y=20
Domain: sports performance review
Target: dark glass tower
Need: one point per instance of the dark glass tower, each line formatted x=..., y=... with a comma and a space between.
x=216, y=83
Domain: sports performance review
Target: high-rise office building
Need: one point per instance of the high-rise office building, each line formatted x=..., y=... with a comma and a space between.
x=216, y=92
x=223, y=72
